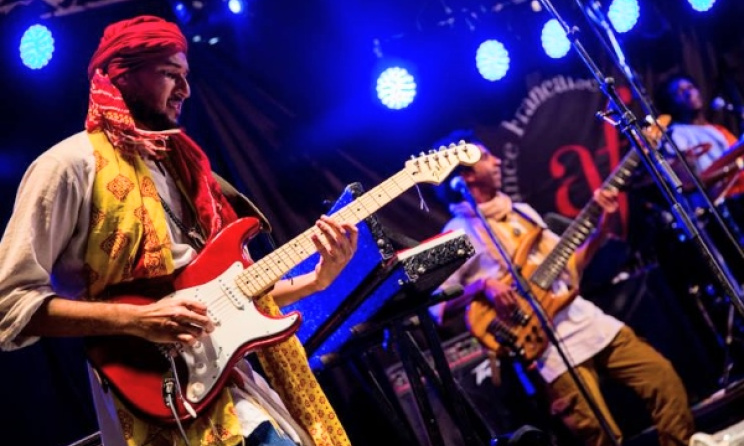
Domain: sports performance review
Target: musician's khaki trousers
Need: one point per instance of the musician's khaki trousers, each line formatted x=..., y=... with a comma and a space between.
x=633, y=362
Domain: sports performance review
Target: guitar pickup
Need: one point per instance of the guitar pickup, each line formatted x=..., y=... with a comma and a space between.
x=232, y=292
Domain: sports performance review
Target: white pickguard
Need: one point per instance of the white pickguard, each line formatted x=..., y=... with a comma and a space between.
x=237, y=321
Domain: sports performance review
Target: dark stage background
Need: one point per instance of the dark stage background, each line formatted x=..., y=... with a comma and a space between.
x=285, y=106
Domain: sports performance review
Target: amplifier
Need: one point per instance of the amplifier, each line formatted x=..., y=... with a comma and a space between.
x=471, y=370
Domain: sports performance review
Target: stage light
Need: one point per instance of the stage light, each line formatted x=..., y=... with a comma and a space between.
x=624, y=14
x=701, y=5
x=396, y=88
x=37, y=46
x=554, y=40
x=182, y=12
x=492, y=60
x=235, y=6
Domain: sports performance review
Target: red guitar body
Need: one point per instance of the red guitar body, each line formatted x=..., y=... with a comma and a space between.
x=135, y=368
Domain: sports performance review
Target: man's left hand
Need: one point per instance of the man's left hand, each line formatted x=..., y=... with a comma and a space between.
x=336, y=246
x=607, y=199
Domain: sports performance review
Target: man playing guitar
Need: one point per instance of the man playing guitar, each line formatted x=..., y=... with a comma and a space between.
x=595, y=342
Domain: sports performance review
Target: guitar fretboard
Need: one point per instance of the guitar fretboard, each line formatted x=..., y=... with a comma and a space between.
x=261, y=275
x=583, y=225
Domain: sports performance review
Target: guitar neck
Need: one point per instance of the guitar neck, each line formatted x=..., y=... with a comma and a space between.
x=261, y=275
x=582, y=226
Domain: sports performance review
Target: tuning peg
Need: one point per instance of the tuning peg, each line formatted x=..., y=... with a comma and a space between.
x=422, y=154
x=432, y=152
x=452, y=145
x=461, y=143
x=442, y=148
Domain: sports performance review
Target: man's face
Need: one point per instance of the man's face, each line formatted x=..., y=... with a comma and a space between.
x=155, y=92
x=486, y=173
x=686, y=96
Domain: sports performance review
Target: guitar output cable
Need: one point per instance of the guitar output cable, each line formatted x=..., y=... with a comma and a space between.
x=171, y=388
x=169, y=394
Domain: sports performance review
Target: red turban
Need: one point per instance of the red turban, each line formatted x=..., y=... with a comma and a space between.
x=127, y=44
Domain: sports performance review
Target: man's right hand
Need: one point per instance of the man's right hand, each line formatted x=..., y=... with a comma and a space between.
x=501, y=295
x=167, y=320
x=171, y=320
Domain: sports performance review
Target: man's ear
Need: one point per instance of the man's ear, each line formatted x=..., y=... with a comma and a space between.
x=468, y=175
x=122, y=81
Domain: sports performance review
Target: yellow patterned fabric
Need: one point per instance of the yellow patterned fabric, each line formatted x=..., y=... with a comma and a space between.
x=128, y=236
x=217, y=427
x=128, y=240
x=287, y=368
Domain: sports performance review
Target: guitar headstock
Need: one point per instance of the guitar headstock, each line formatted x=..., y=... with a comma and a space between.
x=435, y=166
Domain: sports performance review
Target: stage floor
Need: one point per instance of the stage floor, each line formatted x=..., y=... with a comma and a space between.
x=717, y=412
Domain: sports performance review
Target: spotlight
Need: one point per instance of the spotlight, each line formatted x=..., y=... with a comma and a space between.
x=37, y=46
x=701, y=5
x=554, y=40
x=182, y=12
x=396, y=88
x=624, y=14
x=235, y=6
x=492, y=60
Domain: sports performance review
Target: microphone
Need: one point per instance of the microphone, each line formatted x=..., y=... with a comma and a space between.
x=718, y=103
x=457, y=183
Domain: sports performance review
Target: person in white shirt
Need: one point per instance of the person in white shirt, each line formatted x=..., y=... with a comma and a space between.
x=594, y=341
x=130, y=203
x=700, y=140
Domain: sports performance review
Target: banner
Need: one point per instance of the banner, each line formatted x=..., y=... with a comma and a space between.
x=555, y=151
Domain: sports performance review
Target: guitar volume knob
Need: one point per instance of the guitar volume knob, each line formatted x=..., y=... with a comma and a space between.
x=196, y=390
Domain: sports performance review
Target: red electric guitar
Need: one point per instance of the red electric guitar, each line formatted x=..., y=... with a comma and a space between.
x=221, y=278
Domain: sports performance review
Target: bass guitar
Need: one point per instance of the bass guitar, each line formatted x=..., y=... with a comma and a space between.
x=518, y=331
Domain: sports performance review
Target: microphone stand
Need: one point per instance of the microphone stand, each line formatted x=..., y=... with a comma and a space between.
x=596, y=17
x=524, y=289
x=654, y=161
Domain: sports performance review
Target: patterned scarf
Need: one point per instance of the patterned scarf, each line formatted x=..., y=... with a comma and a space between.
x=147, y=254
x=128, y=236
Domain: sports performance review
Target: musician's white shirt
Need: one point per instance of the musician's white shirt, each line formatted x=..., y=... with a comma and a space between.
x=688, y=136
x=47, y=234
x=582, y=326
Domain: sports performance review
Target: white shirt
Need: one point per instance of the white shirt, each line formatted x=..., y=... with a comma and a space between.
x=583, y=328
x=42, y=255
x=688, y=136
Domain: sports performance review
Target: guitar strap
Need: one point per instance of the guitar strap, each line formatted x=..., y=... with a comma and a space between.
x=530, y=218
x=243, y=205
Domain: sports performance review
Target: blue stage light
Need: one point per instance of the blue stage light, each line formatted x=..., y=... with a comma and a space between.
x=37, y=46
x=554, y=40
x=701, y=5
x=624, y=14
x=492, y=60
x=396, y=88
x=235, y=6
x=182, y=12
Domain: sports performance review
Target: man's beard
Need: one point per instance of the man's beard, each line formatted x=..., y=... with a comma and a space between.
x=154, y=120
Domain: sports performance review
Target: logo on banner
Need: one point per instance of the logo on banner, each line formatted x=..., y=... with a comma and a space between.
x=554, y=151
